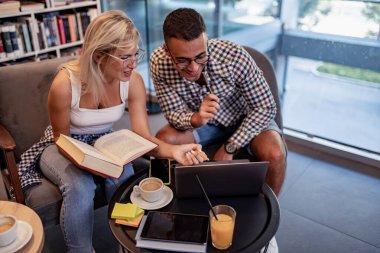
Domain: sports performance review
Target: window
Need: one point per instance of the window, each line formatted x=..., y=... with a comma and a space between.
x=333, y=72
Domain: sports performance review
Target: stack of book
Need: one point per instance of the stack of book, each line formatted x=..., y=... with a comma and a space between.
x=9, y=7
x=127, y=214
x=11, y=42
x=32, y=5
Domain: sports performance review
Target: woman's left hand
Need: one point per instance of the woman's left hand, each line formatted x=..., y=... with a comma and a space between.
x=186, y=154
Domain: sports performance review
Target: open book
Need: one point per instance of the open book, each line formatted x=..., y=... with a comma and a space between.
x=109, y=154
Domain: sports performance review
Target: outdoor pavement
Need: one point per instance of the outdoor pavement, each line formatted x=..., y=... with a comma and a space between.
x=334, y=108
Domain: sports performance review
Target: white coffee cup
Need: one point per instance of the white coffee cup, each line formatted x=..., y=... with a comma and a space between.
x=8, y=229
x=151, y=189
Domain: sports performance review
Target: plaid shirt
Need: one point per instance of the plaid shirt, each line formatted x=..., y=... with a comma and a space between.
x=232, y=75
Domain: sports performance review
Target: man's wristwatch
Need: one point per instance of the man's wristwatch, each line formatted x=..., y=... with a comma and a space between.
x=230, y=147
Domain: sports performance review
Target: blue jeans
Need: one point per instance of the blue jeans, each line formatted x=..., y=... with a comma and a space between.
x=78, y=190
x=209, y=134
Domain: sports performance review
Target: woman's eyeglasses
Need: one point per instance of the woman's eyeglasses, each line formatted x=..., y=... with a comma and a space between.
x=128, y=61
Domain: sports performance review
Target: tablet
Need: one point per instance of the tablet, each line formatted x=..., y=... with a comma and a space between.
x=176, y=227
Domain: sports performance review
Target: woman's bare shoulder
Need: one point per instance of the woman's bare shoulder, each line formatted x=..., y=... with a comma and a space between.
x=61, y=85
x=136, y=87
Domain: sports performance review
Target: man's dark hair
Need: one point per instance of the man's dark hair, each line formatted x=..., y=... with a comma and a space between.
x=183, y=23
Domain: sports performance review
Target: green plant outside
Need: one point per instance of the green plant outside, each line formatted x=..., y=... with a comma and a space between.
x=349, y=72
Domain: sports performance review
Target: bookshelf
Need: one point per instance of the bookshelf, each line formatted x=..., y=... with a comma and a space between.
x=53, y=31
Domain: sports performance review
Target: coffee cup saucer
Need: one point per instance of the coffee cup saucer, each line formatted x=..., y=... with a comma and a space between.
x=167, y=197
x=24, y=233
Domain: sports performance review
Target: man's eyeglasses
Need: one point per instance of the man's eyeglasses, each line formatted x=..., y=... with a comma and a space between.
x=183, y=63
x=128, y=61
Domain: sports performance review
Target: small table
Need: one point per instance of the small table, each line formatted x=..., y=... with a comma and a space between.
x=257, y=218
x=24, y=213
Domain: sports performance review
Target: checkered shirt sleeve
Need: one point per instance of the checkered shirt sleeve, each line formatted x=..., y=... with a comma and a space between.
x=232, y=75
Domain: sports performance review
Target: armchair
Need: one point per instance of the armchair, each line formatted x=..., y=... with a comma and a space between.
x=23, y=119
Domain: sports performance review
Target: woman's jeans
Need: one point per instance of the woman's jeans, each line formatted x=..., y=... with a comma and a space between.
x=78, y=189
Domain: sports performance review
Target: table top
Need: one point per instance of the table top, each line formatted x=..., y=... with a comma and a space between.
x=24, y=213
x=257, y=218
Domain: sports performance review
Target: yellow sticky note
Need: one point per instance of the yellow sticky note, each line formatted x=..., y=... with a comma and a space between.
x=124, y=211
x=139, y=211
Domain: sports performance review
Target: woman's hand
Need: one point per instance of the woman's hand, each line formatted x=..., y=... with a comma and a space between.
x=186, y=154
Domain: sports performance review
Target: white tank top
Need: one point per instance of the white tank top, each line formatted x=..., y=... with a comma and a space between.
x=93, y=121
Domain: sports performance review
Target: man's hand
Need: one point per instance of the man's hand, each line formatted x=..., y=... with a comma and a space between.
x=209, y=108
x=221, y=155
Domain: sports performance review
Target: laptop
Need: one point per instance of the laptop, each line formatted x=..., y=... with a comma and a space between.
x=220, y=178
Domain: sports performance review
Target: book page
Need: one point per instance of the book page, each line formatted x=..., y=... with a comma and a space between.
x=123, y=146
x=90, y=150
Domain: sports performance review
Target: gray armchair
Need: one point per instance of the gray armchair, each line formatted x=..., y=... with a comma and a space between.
x=23, y=119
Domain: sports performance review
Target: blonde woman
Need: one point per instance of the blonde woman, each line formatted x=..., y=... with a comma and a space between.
x=86, y=97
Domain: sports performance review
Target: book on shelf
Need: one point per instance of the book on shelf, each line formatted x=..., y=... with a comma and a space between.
x=66, y=28
x=24, y=29
x=42, y=34
x=55, y=29
x=29, y=29
x=72, y=27
x=173, y=232
x=20, y=38
x=15, y=46
x=32, y=6
x=2, y=50
x=51, y=29
x=61, y=30
x=109, y=154
x=12, y=40
x=79, y=25
x=7, y=41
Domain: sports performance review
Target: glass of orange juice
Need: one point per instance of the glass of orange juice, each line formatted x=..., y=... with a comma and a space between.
x=222, y=229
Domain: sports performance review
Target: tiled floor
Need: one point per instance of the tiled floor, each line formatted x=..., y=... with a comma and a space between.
x=329, y=206
x=326, y=206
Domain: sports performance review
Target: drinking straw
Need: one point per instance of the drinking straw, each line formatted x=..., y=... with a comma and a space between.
x=204, y=192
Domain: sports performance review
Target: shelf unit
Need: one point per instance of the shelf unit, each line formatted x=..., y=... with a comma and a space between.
x=34, y=17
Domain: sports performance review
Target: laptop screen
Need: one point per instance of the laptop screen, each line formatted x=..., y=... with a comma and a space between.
x=220, y=179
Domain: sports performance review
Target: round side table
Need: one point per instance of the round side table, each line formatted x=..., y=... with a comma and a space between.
x=26, y=214
x=258, y=217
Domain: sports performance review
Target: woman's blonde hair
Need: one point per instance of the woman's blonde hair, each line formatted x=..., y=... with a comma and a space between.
x=109, y=31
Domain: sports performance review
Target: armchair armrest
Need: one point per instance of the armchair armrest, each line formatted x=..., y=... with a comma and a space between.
x=9, y=167
x=6, y=141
